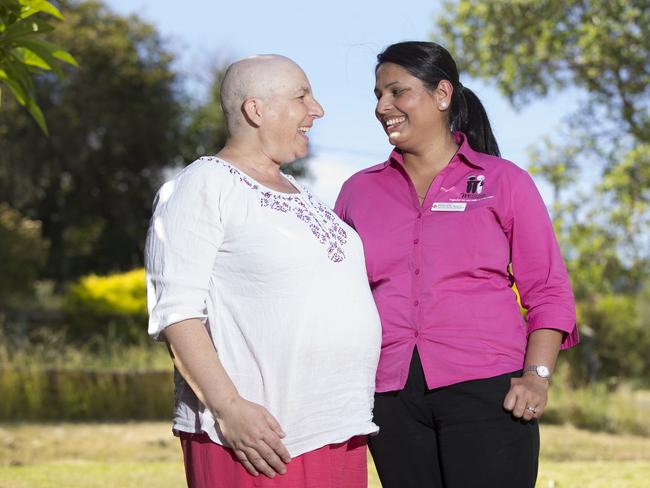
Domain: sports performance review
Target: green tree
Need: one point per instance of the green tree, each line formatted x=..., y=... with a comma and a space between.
x=22, y=253
x=206, y=131
x=23, y=51
x=532, y=49
x=116, y=123
x=598, y=162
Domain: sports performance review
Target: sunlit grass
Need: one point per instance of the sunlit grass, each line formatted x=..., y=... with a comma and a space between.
x=133, y=455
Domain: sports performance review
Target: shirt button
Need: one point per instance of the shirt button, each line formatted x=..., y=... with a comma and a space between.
x=417, y=271
x=415, y=241
x=417, y=334
x=416, y=303
x=419, y=215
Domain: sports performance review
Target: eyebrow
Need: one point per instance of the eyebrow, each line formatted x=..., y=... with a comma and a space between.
x=387, y=85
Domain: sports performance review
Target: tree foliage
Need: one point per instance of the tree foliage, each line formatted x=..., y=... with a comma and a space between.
x=24, y=51
x=206, y=131
x=598, y=162
x=22, y=253
x=115, y=124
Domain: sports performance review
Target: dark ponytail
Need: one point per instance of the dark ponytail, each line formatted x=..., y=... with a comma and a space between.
x=431, y=63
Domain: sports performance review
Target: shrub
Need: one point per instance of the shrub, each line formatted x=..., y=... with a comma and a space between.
x=598, y=406
x=617, y=334
x=112, y=306
x=50, y=394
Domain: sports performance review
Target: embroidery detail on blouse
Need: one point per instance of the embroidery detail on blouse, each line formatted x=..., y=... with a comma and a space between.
x=320, y=219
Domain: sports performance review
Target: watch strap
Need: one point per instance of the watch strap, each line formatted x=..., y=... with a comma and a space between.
x=535, y=368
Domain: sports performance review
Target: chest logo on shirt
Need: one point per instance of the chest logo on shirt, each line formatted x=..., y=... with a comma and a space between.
x=474, y=190
x=475, y=185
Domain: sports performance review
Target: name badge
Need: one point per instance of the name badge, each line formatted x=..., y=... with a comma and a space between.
x=448, y=206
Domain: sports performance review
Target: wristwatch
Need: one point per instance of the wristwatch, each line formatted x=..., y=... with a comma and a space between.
x=540, y=370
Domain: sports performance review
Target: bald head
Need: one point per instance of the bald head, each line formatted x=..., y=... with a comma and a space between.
x=260, y=77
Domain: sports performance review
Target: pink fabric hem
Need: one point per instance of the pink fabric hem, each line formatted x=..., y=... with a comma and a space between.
x=209, y=465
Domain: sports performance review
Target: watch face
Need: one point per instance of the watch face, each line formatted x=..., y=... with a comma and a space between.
x=543, y=371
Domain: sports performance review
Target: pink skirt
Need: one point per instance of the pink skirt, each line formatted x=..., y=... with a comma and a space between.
x=209, y=465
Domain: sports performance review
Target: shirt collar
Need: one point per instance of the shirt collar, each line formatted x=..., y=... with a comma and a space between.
x=465, y=153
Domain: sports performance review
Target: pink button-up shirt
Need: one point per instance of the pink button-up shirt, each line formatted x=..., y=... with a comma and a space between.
x=439, y=271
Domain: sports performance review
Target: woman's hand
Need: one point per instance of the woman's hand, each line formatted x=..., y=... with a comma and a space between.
x=255, y=437
x=250, y=430
x=527, y=396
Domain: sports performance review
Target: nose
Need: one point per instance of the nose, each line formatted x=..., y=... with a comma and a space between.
x=383, y=105
x=316, y=110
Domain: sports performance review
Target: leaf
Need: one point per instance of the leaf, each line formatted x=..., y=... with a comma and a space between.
x=30, y=58
x=17, y=72
x=36, y=112
x=31, y=7
x=24, y=28
x=39, y=45
x=42, y=57
x=25, y=99
x=17, y=90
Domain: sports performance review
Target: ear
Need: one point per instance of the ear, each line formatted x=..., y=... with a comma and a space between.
x=252, y=111
x=442, y=95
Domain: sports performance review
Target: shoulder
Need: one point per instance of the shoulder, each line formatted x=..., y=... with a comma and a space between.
x=206, y=172
x=359, y=184
x=499, y=164
x=199, y=183
x=503, y=171
x=205, y=168
x=364, y=176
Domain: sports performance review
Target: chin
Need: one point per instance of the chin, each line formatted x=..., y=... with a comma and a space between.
x=395, y=141
x=300, y=154
x=288, y=160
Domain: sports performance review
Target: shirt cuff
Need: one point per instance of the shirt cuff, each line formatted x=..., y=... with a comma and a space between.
x=159, y=323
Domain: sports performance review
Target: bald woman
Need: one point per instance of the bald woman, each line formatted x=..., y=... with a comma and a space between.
x=260, y=292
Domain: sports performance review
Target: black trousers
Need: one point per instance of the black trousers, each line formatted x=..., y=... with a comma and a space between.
x=458, y=436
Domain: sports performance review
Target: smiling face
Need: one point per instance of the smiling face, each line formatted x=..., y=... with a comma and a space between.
x=408, y=111
x=288, y=114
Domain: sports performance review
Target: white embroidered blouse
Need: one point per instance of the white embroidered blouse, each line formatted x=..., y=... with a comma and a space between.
x=281, y=285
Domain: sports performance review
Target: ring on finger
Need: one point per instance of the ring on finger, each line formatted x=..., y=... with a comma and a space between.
x=531, y=409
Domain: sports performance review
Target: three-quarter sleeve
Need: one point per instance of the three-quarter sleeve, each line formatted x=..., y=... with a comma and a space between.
x=539, y=271
x=184, y=236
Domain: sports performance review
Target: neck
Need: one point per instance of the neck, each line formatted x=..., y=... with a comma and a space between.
x=432, y=157
x=248, y=157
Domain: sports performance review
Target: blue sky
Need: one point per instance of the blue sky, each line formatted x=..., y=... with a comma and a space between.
x=336, y=43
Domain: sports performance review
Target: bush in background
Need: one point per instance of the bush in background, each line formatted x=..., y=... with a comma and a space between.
x=49, y=394
x=23, y=252
x=598, y=406
x=113, y=306
x=46, y=378
x=618, y=334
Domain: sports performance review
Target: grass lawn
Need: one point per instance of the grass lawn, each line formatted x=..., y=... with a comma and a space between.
x=135, y=455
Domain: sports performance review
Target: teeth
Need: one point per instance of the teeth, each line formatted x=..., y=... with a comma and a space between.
x=394, y=121
x=304, y=130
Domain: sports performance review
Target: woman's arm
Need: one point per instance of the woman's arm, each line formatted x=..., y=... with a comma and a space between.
x=531, y=390
x=250, y=430
x=545, y=290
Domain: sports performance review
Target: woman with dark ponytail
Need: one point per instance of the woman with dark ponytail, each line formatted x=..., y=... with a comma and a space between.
x=448, y=227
